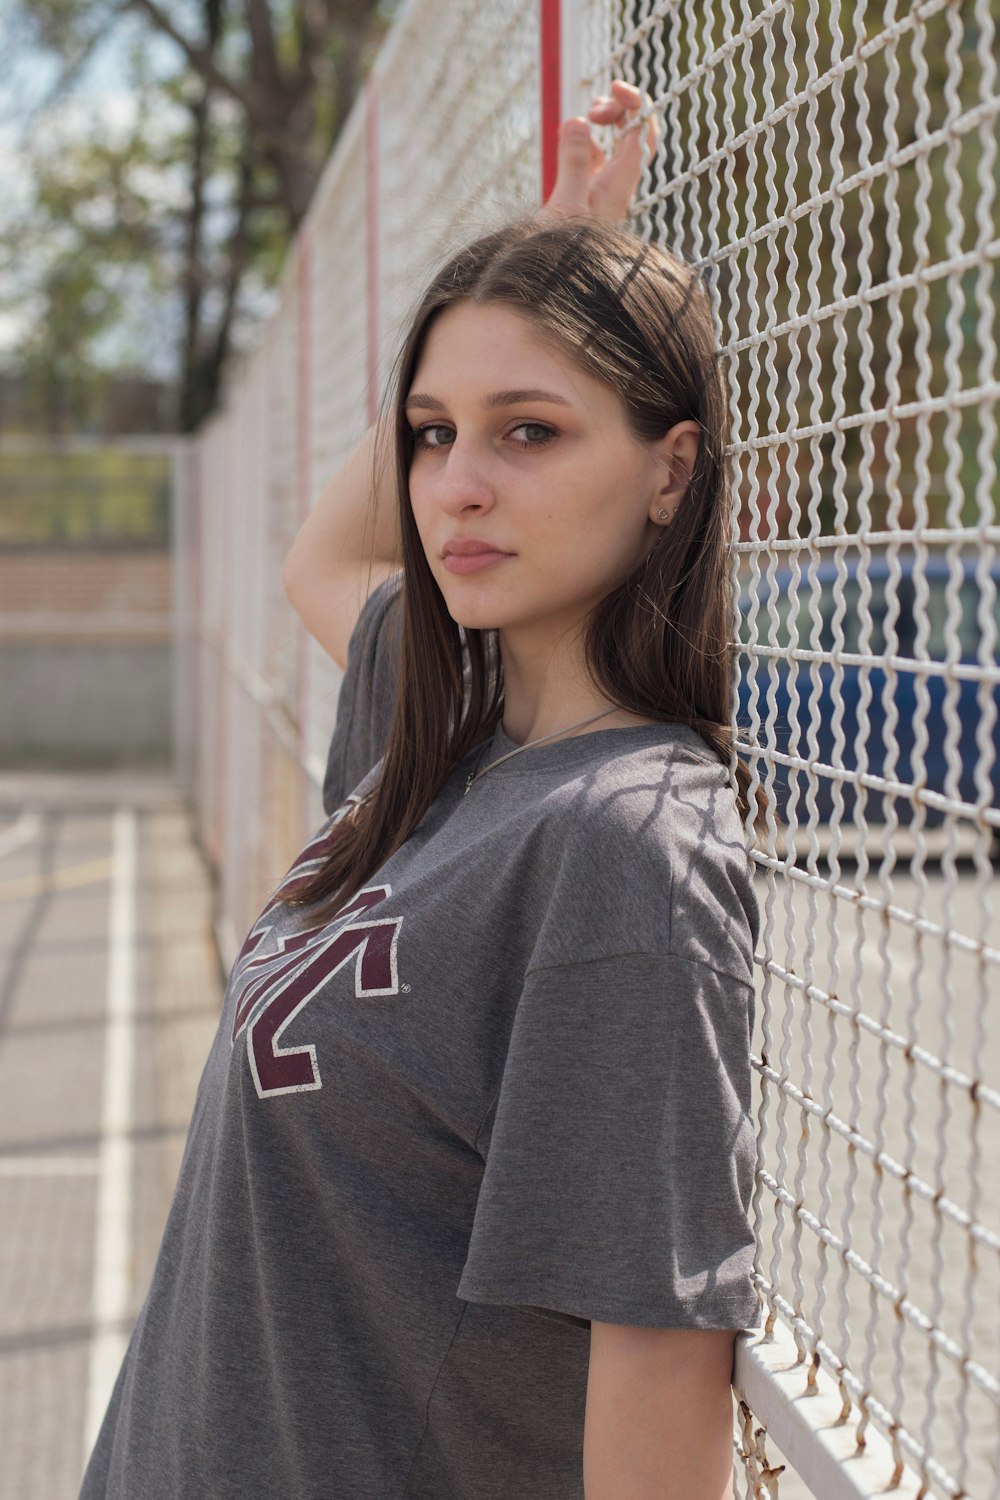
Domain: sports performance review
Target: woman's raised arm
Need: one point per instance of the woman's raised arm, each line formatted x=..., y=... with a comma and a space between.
x=346, y=546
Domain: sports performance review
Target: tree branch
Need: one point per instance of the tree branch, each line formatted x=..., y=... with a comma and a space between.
x=237, y=260
x=259, y=105
x=313, y=29
x=201, y=59
x=263, y=51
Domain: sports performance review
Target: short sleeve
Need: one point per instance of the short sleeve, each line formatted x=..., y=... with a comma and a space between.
x=367, y=694
x=620, y=1154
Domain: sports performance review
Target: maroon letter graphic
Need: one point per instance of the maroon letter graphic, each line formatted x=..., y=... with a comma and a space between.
x=257, y=977
x=277, y=986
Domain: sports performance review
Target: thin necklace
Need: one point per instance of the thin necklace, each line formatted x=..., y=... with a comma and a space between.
x=475, y=775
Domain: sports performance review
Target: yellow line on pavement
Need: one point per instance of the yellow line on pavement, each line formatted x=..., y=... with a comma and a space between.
x=48, y=1166
x=91, y=873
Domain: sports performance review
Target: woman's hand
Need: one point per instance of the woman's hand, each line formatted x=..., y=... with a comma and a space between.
x=587, y=181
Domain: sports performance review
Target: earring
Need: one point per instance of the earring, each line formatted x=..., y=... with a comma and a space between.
x=663, y=514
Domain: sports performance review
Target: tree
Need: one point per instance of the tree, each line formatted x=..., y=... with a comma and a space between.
x=177, y=221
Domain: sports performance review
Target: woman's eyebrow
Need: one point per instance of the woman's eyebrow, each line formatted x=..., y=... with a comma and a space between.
x=495, y=398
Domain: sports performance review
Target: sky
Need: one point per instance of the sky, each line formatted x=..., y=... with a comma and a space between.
x=28, y=74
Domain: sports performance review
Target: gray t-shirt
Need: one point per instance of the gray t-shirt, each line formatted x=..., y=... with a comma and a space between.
x=364, y=708
x=504, y=1091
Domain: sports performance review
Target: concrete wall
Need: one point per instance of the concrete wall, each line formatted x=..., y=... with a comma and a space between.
x=85, y=702
x=86, y=657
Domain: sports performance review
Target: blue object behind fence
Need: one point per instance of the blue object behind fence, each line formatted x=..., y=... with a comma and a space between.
x=815, y=712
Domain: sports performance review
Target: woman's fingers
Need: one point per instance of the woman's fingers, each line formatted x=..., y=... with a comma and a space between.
x=612, y=109
x=622, y=113
x=613, y=187
x=586, y=178
x=629, y=140
x=576, y=162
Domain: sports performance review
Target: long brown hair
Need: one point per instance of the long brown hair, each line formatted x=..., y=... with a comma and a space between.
x=639, y=319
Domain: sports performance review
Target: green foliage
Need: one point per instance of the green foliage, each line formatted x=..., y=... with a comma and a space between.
x=154, y=242
x=99, y=498
x=97, y=235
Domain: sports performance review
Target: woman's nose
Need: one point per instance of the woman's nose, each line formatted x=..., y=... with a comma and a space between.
x=462, y=481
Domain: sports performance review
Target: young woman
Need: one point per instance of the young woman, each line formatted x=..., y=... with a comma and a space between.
x=463, y=1208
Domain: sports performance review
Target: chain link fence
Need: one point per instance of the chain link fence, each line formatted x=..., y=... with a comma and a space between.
x=832, y=170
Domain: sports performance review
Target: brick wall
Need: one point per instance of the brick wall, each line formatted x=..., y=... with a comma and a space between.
x=51, y=595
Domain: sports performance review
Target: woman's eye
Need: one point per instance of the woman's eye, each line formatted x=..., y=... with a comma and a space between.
x=547, y=432
x=420, y=435
x=421, y=441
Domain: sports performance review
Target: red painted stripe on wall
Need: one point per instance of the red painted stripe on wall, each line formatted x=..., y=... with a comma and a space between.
x=304, y=475
x=304, y=339
x=551, y=64
x=372, y=245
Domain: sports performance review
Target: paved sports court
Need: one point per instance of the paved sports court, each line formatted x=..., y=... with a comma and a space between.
x=109, y=994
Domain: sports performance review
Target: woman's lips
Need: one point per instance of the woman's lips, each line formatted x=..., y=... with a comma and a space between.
x=455, y=562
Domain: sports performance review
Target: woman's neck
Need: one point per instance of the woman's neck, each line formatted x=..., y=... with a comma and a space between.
x=546, y=689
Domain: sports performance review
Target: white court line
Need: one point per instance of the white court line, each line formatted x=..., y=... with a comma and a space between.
x=112, y=1238
x=48, y=1166
x=20, y=833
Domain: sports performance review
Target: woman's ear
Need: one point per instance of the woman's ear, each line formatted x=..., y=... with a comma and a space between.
x=677, y=454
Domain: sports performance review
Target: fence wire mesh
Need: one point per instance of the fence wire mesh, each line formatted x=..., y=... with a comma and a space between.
x=832, y=170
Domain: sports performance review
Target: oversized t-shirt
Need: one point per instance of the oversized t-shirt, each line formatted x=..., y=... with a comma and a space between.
x=504, y=1091
x=367, y=693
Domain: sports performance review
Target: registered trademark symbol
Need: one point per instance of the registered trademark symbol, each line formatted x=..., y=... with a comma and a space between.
x=406, y=989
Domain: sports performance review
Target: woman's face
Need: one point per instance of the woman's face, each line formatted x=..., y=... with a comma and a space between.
x=554, y=479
